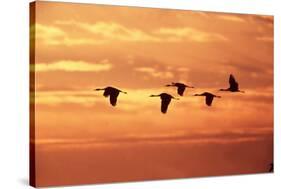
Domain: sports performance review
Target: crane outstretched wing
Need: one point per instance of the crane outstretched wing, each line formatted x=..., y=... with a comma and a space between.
x=181, y=90
x=232, y=82
x=209, y=100
x=164, y=104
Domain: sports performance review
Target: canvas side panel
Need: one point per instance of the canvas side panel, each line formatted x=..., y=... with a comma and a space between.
x=32, y=172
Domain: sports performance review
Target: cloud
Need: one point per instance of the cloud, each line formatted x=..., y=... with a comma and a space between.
x=52, y=35
x=263, y=19
x=65, y=97
x=200, y=13
x=73, y=66
x=117, y=32
x=90, y=97
x=231, y=18
x=112, y=31
x=104, y=32
x=48, y=32
x=221, y=137
x=154, y=73
x=265, y=39
x=188, y=33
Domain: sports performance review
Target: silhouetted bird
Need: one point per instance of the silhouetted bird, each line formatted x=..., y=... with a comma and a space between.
x=271, y=169
x=233, y=85
x=112, y=93
x=181, y=87
x=165, y=101
x=209, y=97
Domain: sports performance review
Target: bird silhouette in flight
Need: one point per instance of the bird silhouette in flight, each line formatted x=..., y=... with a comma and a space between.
x=165, y=101
x=233, y=85
x=208, y=97
x=271, y=169
x=112, y=93
x=181, y=87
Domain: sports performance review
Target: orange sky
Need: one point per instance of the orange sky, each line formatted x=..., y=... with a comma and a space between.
x=80, y=138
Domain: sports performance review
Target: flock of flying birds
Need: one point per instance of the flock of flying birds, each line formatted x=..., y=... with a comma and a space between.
x=166, y=98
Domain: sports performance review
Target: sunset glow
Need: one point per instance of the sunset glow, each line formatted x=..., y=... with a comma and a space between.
x=80, y=138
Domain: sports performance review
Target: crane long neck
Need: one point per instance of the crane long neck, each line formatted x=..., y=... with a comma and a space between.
x=100, y=89
x=225, y=89
x=170, y=85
